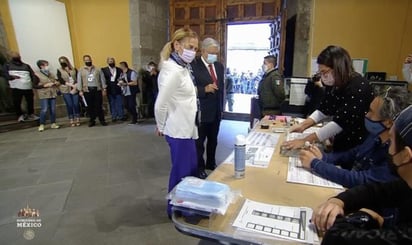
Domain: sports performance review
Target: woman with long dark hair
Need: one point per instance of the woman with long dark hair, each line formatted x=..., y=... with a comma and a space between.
x=346, y=101
x=66, y=75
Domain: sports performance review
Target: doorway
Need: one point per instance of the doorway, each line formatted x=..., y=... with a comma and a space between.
x=247, y=45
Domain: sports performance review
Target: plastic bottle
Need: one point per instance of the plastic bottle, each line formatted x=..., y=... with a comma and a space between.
x=240, y=152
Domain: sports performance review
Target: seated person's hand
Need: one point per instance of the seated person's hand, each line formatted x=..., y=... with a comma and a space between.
x=306, y=157
x=316, y=151
x=298, y=128
x=325, y=215
x=293, y=144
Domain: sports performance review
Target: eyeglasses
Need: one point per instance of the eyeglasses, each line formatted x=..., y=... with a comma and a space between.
x=324, y=72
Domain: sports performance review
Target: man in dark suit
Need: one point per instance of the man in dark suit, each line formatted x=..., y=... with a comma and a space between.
x=209, y=79
x=114, y=92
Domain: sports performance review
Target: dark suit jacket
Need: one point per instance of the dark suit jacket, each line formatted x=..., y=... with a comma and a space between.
x=211, y=104
x=112, y=87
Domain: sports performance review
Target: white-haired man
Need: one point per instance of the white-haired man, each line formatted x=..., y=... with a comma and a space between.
x=209, y=79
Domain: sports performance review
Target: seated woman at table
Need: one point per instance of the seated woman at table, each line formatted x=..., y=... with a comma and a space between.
x=346, y=101
x=370, y=158
x=352, y=217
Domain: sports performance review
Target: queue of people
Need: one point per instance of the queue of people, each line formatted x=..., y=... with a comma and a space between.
x=81, y=89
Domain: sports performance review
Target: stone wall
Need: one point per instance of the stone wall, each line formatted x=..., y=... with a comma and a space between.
x=302, y=38
x=149, y=30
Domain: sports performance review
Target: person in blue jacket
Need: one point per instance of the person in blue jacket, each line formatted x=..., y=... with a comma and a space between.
x=370, y=157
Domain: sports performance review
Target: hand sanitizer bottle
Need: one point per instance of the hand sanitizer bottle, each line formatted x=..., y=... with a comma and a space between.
x=240, y=152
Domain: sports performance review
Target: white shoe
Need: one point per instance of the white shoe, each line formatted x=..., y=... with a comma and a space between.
x=21, y=118
x=41, y=128
x=54, y=126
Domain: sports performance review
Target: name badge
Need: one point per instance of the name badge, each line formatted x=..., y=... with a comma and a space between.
x=90, y=77
x=71, y=80
x=112, y=78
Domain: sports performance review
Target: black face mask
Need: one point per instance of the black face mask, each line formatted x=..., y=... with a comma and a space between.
x=111, y=65
x=63, y=64
x=392, y=166
x=88, y=63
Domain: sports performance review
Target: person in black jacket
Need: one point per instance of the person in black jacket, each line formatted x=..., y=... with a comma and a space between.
x=150, y=88
x=114, y=92
x=352, y=217
x=21, y=78
x=346, y=100
x=209, y=78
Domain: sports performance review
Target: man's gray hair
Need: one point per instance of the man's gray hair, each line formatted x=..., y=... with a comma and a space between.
x=210, y=42
x=395, y=99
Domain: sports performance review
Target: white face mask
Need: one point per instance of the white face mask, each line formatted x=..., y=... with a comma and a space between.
x=328, y=79
x=211, y=58
x=187, y=55
x=265, y=68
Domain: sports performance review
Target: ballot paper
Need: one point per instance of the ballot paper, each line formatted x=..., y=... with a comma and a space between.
x=256, y=138
x=282, y=222
x=256, y=156
x=259, y=149
x=297, y=174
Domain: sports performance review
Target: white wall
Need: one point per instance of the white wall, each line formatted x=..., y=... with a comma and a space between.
x=42, y=31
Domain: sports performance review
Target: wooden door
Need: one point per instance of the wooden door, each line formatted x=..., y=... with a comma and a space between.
x=203, y=17
x=210, y=18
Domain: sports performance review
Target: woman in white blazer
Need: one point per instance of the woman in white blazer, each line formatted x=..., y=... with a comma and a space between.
x=176, y=105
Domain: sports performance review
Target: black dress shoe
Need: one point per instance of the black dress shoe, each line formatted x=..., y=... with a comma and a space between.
x=202, y=174
x=91, y=124
x=103, y=123
x=211, y=167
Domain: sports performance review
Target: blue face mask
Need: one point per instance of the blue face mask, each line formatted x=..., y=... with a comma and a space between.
x=211, y=58
x=374, y=127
